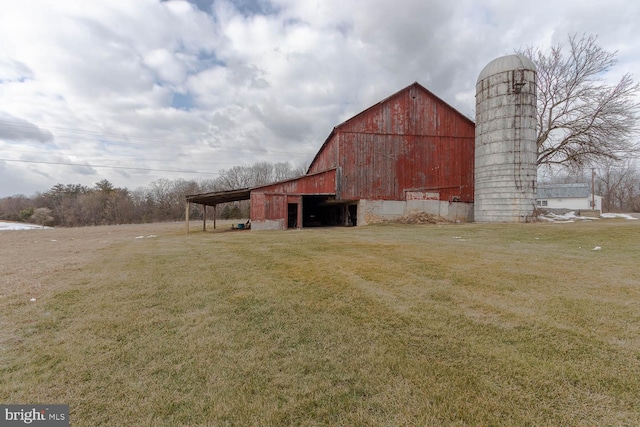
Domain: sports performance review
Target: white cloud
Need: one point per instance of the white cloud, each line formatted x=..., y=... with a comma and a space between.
x=14, y=129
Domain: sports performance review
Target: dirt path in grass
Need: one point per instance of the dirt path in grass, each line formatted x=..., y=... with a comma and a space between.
x=29, y=257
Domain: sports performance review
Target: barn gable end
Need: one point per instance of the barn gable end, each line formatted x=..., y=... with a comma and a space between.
x=411, y=140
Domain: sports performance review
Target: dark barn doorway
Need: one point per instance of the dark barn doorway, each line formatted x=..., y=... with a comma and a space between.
x=292, y=215
x=326, y=211
x=353, y=215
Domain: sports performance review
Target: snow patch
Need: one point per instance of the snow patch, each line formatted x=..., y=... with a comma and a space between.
x=4, y=226
x=567, y=217
x=616, y=215
x=572, y=217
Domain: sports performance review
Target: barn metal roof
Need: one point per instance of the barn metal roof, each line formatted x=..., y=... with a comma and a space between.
x=563, y=191
x=218, y=197
x=506, y=63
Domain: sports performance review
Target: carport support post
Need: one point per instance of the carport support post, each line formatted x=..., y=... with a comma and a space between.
x=204, y=217
x=186, y=215
x=214, y=217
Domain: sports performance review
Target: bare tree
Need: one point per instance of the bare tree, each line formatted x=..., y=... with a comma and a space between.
x=617, y=183
x=634, y=199
x=260, y=173
x=581, y=118
x=15, y=208
x=632, y=192
x=284, y=170
x=235, y=177
x=41, y=216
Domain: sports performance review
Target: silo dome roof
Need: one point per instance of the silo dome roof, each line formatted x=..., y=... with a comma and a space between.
x=506, y=63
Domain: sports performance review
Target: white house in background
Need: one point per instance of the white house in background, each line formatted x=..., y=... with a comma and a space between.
x=567, y=196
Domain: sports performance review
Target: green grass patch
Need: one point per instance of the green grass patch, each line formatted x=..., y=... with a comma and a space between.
x=373, y=326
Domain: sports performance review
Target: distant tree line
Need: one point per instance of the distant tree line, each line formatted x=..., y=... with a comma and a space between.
x=74, y=205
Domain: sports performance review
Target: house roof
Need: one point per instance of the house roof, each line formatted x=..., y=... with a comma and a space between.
x=563, y=191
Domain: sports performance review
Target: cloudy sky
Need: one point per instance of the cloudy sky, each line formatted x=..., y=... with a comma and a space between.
x=137, y=90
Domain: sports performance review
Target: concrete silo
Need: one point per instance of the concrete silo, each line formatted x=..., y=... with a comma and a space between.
x=505, y=148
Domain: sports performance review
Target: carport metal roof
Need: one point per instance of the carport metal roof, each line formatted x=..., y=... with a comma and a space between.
x=217, y=197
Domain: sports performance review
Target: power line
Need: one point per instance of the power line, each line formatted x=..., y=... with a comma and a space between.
x=30, y=126
x=119, y=157
x=109, y=167
x=83, y=135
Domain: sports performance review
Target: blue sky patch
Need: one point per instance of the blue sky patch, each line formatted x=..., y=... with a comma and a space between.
x=182, y=101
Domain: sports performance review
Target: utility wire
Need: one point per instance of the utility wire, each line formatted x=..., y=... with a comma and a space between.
x=84, y=134
x=119, y=157
x=109, y=167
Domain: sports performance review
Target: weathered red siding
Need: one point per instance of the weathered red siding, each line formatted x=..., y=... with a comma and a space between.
x=411, y=140
x=327, y=157
x=258, y=207
x=275, y=206
x=384, y=166
x=270, y=202
x=268, y=206
x=321, y=183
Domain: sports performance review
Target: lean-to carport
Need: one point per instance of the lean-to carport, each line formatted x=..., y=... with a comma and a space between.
x=213, y=199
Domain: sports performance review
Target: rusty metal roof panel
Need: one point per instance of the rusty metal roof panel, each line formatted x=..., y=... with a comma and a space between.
x=218, y=197
x=564, y=191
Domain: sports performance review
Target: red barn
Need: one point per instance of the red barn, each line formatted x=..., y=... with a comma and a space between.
x=410, y=152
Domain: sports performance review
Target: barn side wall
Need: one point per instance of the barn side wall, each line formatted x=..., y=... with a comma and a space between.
x=269, y=203
x=382, y=167
x=375, y=211
x=271, y=224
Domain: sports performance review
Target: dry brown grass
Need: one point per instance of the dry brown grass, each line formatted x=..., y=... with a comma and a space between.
x=382, y=325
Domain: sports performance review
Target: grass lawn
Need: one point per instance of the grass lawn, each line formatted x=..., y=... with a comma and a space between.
x=383, y=325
